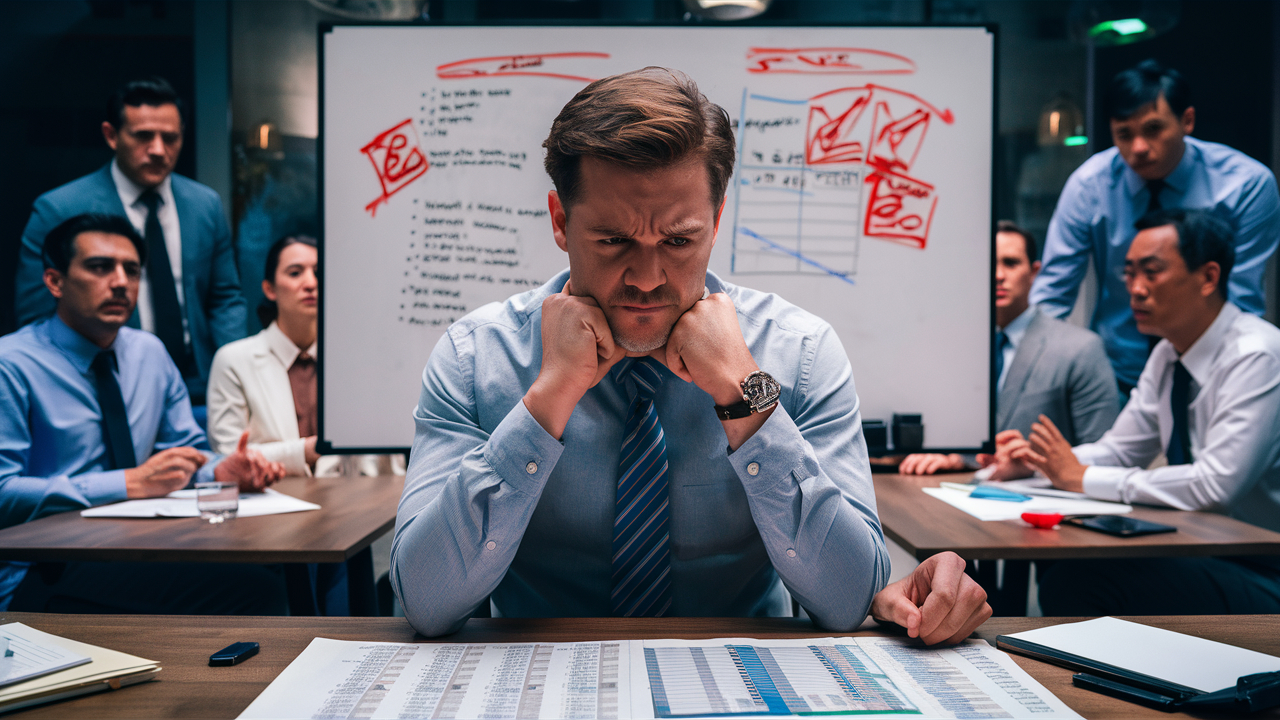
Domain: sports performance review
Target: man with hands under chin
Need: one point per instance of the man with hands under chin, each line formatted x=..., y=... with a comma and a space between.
x=1209, y=398
x=95, y=412
x=638, y=437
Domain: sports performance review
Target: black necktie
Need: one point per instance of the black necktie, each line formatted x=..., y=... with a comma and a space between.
x=1153, y=191
x=165, y=309
x=1179, y=452
x=115, y=423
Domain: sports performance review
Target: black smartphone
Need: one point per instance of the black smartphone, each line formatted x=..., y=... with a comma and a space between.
x=1120, y=525
x=233, y=654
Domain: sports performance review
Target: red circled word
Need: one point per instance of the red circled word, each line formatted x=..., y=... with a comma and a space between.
x=397, y=159
x=828, y=61
x=539, y=65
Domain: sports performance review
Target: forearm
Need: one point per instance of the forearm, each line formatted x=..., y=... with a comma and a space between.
x=460, y=522
x=825, y=545
x=23, y=499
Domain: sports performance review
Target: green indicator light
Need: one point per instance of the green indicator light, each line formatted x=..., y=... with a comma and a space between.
x=1124, y=27
x=1075, y=140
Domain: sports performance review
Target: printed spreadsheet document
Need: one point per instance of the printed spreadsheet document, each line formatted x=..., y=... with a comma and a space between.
x=724, y=677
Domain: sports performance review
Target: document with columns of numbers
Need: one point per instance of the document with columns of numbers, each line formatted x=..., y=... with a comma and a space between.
x=864, y=676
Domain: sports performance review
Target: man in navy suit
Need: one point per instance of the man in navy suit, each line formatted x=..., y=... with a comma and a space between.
x=190, y=295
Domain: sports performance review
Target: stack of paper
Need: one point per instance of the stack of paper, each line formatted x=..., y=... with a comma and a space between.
x=182, y=503
x=91, y=668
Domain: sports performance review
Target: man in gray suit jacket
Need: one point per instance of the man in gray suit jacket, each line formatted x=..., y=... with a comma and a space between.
x=1043, y=365
x=190, y=295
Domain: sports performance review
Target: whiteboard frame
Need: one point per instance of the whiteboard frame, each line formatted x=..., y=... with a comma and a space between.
x=324, y=447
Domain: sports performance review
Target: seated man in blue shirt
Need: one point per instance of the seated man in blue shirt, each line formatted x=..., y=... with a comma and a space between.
x=638, y=437
x=95, y=412
x=1155, y=164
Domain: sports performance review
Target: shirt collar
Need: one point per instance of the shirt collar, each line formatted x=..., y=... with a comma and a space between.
x=1177, y=181
x=76, y=347
x=1016, y=329
x=130, y=191
x=284, y=348
x=1198, y=359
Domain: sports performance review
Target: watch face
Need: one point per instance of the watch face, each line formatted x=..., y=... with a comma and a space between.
x=761, y=390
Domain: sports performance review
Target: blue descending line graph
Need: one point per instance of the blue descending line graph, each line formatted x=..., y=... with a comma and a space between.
x=790, y=216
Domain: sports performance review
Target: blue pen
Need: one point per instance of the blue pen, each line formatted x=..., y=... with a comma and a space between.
x=987, y=492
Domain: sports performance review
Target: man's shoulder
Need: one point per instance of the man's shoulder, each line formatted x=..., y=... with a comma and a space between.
x=83, y=194
x=184, y=188
x=23, y=345
x=1065, y=337
x=769, y=310
x=1256, y=336
x=1101, y=166
x=1224, y=160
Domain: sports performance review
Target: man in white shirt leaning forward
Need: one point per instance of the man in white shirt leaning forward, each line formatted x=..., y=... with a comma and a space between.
x=1209, y=398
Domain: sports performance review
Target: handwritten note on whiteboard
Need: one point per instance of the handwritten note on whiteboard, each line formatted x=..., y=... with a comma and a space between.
x=861, y=193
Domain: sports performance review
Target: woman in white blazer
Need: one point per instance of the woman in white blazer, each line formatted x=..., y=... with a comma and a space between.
x=255, y=386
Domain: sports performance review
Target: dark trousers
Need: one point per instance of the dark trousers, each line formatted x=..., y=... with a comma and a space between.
x=152, y=589
x=1160, y=586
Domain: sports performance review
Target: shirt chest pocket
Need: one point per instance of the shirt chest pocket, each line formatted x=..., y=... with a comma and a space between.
x=711, y=518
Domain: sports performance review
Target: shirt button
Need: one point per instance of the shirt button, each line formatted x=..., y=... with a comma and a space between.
x=791, y=553
x=531, y=468
x=491, y=545
x=753, y=469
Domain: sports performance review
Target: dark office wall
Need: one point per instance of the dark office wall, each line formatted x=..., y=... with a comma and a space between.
x=59, y=62
x=1224, y=50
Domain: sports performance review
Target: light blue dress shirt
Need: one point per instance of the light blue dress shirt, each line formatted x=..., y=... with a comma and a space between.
x=52, y=455
x=1095, y=215
x=494, y=504
x=1013, y=333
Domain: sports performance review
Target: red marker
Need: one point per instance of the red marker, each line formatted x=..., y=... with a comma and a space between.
x=1044, y=521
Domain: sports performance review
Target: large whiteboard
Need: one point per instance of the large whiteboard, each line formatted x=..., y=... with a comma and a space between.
x=862, y=194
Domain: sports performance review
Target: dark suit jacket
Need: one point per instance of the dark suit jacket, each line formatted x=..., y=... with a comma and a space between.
x=215, y=308
x=1062, y=371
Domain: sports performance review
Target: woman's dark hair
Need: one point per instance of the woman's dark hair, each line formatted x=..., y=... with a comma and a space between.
x=60, y=243
x=1202, y=238
x=267, y=309
x=1142, y=85
x=153, y=91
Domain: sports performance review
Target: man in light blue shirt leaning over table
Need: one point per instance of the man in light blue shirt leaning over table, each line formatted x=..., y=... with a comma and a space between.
x=1154, y=164
x=92, y=413
x=638, y=437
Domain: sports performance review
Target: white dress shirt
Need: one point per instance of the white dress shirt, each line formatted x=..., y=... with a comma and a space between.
x=1233, y=419
x=136, y=210
x=1013, y=333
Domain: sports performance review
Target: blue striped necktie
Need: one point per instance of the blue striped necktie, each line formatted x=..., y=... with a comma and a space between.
x=641, y=558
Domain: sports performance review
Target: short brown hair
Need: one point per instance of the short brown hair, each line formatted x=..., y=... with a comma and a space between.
x=1028, y=239
x=645, y=119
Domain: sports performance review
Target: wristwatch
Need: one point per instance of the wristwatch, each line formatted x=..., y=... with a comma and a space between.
x=759, y=393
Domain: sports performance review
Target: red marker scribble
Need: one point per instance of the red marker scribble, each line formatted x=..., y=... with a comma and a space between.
x=397, y=159
x=837, y=133
x=828, y=61
x=900, y=209
x=540, y=65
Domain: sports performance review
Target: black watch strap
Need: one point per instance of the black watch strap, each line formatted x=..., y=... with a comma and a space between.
x=740, y=409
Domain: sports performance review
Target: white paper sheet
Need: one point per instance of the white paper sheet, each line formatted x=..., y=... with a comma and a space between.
x=870, y=677
x=1197, y=663
x=32, y=655
x=1005, y=510
x=182, y=503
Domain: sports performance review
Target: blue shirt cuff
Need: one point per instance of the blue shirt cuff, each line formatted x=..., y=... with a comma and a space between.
x=100, y=488
x=521, y=451
x=771, y=454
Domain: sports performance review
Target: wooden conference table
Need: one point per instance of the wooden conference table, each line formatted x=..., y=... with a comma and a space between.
x=924, y=525
x=354, y=511
x=189, y=688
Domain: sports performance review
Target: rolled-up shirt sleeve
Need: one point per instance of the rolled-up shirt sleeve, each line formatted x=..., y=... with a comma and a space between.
x=468, y=498
x=808, y=482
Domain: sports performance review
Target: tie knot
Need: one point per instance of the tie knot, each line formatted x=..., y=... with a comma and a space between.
x=104, y=361
x=151, y=199
x=303, y=359
x=1002, y=339
x=647, y=374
